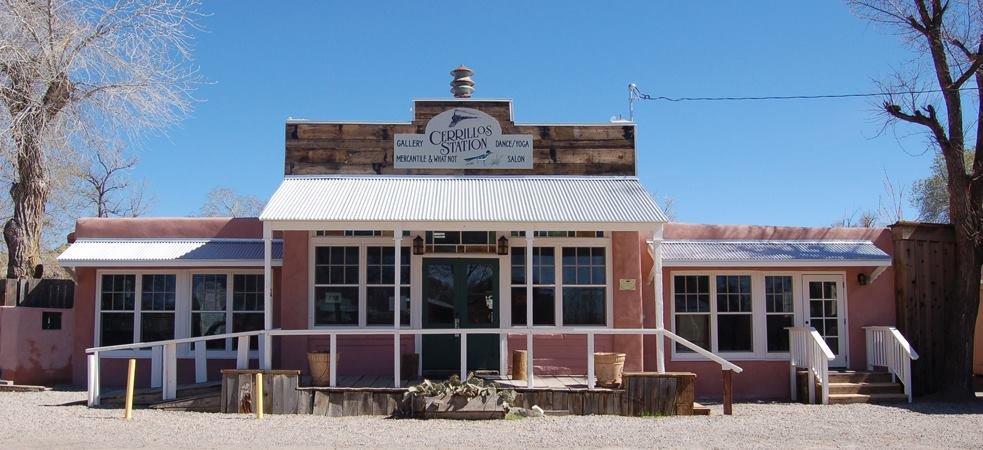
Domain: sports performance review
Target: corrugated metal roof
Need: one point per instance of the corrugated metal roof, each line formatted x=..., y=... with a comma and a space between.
x=534, y=199
x=770, y=252
x=167, y=252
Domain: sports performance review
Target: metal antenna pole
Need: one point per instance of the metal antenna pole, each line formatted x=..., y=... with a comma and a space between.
x=631, y=101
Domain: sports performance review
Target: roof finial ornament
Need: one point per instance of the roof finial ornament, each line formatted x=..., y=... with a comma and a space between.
x=462, y=86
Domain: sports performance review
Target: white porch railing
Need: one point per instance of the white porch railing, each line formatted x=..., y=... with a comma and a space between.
x=164, y=353
x=808, y=350
x=886, y=347
x=163, y=360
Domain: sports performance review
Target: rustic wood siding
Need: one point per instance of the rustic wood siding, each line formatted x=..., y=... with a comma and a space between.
x=350, y=148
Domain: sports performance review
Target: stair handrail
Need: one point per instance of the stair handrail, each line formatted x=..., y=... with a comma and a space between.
x=808, y=349
x=887, y=347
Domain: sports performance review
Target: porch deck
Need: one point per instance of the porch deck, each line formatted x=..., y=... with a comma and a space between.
x=543, y=382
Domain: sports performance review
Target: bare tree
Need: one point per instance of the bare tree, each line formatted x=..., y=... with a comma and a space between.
x=224, y=202
x=858, y=219
x=930, y=194
x=77, y=73
x=948, y=34
x=107, y=186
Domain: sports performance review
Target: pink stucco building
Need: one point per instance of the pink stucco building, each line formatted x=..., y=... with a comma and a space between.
x=499, y=233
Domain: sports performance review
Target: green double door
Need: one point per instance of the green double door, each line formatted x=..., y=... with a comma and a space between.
x=460, y=293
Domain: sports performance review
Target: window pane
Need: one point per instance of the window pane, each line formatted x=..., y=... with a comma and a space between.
x=733, y=293
x=584, y=306
x=336, y=306
x=778, y=294
x=694, y=328
x=250, y=321
x=543, y=306
x=379, y=306
x=156, y=326
x=336, y=265
x=208, y=292
x=777, y=334
x=117, y=328
x=518, y=256
x=691, y=293
x=158, y=292
x=584, y=266
x=734, y=333
x=118, y=292
x=247, y=292
x=209, y=324
x=518, y=305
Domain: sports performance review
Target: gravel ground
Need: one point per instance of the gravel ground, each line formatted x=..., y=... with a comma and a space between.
x=58, y=419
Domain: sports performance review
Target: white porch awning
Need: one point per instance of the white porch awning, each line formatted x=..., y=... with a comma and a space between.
x=515, y=200
x=168, y=253
x=772, y=253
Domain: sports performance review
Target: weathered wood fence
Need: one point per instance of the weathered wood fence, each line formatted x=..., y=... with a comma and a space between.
x=925, y=280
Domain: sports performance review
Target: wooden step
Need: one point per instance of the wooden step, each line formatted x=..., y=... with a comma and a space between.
x=859, y=377
x=700, y=410
x=149, y=396
x=865, y=388
x=209, y=402
x=840, y=399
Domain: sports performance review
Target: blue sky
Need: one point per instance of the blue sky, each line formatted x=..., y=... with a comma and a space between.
x=782, y=163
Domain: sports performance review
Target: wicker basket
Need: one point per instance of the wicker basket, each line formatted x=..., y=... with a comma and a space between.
x=320, y=365
x=608, y=368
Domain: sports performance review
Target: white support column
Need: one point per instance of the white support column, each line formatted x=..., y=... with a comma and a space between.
x=464, y=356
x=266, y=357
x=201, y=362
x=590, y=360
x=156, y=357
x=333, y=364
x=169, y=387
x=397, y=303
x=660, y=342
x=93, y=360
x=503, y=354
x=529, y=337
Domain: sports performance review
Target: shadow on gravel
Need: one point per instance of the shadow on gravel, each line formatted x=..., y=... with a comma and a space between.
x=937, y=407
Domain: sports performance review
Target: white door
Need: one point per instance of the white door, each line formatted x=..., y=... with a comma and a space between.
x=824, y=310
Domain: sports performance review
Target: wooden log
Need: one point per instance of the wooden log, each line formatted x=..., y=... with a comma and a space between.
x=728, y=392
x=519, y=364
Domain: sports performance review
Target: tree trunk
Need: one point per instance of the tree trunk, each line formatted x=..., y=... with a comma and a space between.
x=29, y=194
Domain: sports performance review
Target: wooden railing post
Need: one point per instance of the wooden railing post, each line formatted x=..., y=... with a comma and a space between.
x=93, y=378
x=201, y=362
x=131, y=374
x=169, y=386
x=242, y=353
x=590, y=361
x=728, y=376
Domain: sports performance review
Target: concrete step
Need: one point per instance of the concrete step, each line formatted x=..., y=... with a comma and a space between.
x=865, y=388
x=840, y=399
x=850, y=376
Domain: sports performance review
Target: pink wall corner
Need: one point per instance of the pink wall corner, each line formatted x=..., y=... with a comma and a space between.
x=626, y=265
x=31, y=355
x=84, y=311
x=564, y=354
x=294, y=306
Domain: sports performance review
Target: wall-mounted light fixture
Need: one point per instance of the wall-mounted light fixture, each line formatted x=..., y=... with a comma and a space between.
x=418, y=245
x=862, y=279
x=503, y=245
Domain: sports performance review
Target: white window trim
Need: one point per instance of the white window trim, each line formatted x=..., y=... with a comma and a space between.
x=182, y=309
x=758, y=315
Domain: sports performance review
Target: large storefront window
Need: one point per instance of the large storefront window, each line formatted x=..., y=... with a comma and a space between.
x=380, y=282
x=692, y=304
x=124, y=308
x=209, y=301
x=336, y=281
x=734, y=313
x=584, y=286
x=544, y=286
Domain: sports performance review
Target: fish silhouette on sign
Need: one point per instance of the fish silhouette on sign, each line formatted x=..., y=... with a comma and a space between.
x=457, y=117
x=482, y=157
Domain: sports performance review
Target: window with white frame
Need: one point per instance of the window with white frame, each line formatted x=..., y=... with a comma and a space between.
x=209, y=307
x=133, y=309
x=380, y=282
x=543, y=282
x=584, y=286
x=336, y=285
x=779, y=311
x=247, y=306
x=692, y=309
x=734, y=329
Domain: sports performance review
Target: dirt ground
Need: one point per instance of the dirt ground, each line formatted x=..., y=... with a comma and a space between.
x=59, y=419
